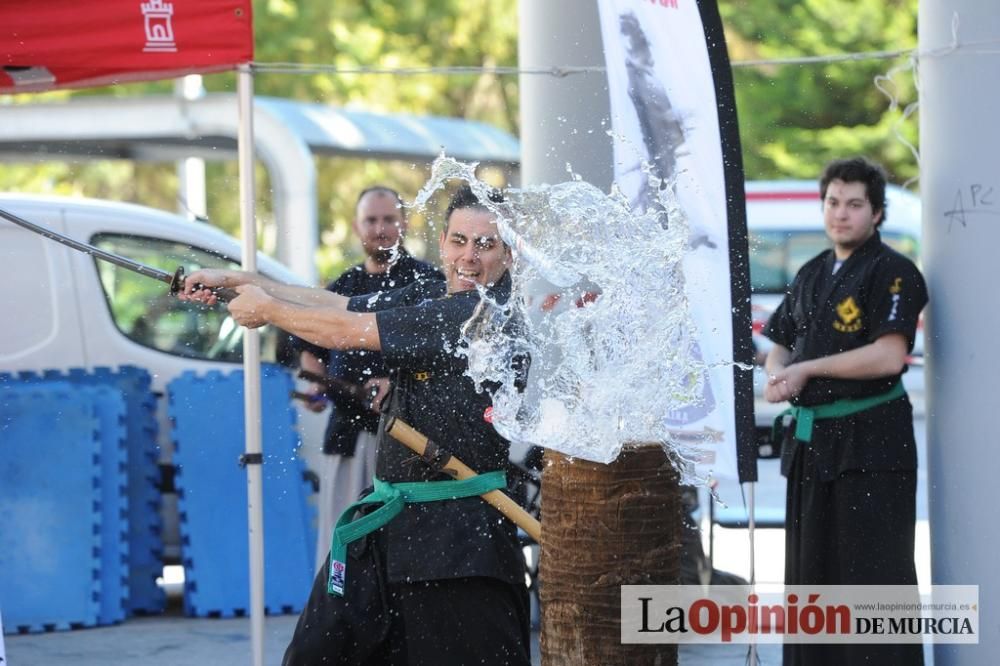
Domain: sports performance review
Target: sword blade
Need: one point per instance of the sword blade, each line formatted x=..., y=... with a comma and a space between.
x=117, y=260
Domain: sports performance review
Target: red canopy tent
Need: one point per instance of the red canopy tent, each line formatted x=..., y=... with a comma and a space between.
x=68, y=44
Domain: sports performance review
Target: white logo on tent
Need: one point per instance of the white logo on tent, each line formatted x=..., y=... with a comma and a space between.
x=159, y=31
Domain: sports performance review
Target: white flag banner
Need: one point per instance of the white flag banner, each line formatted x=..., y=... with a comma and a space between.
x=674, y=121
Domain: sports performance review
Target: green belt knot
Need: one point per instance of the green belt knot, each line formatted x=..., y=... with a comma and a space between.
x=392, y=497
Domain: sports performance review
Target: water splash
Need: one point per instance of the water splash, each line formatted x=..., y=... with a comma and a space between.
x=599, y=307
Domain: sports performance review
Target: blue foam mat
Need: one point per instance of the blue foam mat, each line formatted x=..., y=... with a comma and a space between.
x=207, y=413
x=110, y=412
x=50, y=512
x=145, y=543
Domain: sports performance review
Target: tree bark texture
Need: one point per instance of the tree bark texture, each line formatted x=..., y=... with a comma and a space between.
x=604, y=526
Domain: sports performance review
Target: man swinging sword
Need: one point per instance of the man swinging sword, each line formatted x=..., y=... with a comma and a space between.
x=442, y=581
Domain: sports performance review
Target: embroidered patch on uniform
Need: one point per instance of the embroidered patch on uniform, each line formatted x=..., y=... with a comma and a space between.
x=335, y=585
x=850, y=316
x=895, y=289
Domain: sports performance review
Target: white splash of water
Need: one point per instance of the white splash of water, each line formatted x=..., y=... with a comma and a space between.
x=599, y=307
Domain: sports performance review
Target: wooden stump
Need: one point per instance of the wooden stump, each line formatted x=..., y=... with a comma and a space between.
x=604, y=526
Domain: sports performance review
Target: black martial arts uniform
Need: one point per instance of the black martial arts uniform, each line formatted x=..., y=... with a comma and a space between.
x=444, y=581
x=347, y=418
x=851, y=497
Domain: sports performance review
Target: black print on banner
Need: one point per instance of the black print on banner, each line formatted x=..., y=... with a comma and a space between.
x=659, y=124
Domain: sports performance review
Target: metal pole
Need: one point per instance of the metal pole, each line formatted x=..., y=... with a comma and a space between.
x=193, y=202
x=564, y=119
x=960, y=189
x=751, y=526
x=251, y=370
x=3, y=654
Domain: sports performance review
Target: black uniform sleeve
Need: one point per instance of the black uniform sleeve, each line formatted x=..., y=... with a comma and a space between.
x=411, y=294
x=421, y=335
x=897, y=295
x=781, y=326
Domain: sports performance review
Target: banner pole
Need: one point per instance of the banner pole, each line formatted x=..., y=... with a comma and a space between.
x=251, y=369
x=751, y=526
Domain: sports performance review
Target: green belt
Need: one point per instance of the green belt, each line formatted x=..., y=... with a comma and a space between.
x=805, y=416
x=392, y=497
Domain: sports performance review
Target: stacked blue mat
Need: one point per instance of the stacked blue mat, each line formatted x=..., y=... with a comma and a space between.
x=63, y=505
x=145, y=545
x=208, y=430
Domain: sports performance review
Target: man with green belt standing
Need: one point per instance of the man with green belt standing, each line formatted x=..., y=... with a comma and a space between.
x=841, y=338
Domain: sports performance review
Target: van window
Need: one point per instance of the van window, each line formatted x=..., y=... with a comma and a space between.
x=146, y=313
x=776, y=256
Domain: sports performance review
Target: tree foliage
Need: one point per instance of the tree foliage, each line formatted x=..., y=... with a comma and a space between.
x=793, y=118
x=385, y=34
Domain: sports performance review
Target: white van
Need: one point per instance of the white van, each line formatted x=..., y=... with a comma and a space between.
x=785, y=227
x=67, y=310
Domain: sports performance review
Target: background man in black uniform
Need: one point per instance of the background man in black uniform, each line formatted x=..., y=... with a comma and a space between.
x=348, y=460
x=443, y=582
x=841, y=337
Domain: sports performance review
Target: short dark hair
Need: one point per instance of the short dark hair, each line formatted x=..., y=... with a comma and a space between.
x=465, y=197
x=858, y=170
x=386, y=190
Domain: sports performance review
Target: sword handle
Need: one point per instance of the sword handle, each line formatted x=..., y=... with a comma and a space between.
x=224, y=294
x=412, y=439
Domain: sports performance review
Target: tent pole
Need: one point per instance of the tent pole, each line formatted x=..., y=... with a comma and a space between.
x=251, y=368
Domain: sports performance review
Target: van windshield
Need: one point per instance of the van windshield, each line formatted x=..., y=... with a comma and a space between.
x=144, y=312
x=776, y=256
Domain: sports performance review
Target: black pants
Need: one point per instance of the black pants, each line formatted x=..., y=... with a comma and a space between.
x=442, y=622
x=857, y=529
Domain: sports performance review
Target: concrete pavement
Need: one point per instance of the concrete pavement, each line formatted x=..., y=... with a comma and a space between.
x=174, y=640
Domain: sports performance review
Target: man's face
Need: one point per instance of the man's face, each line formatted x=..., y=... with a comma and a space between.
x=848, y=216
x=379, y=224
x=471, y=250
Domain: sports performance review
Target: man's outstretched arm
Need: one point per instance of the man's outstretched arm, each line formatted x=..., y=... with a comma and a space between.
x=217, y=277
x=326, y=326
